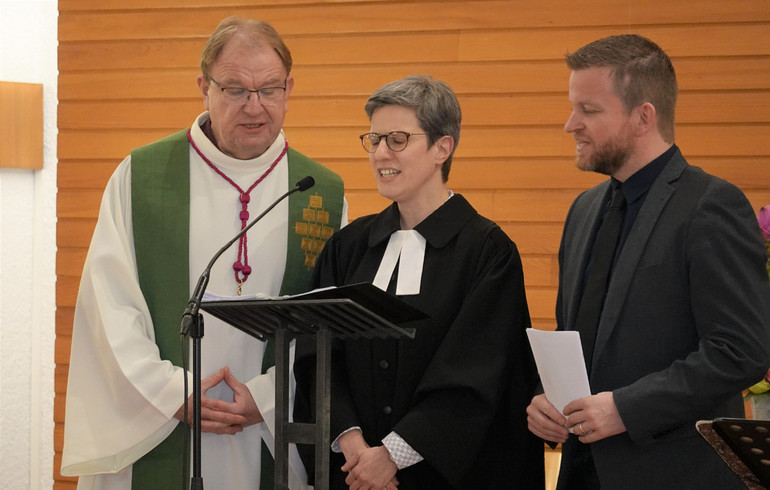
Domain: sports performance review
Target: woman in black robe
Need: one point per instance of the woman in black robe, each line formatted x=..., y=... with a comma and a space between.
x=447, y=408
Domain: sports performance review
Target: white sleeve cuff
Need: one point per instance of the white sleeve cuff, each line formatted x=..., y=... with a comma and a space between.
x=336, y=442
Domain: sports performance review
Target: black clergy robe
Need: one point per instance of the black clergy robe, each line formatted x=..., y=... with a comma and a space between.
x=458, y=391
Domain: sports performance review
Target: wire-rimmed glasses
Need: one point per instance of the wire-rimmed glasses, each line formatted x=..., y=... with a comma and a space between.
x=239, y=95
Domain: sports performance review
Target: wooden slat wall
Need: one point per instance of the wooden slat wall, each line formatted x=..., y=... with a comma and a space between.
x=127, y=76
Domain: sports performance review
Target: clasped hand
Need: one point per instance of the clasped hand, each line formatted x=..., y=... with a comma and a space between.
x=368, y=468
x=219, y=416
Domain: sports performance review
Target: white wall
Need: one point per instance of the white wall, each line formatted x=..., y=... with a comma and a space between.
x=28, y=53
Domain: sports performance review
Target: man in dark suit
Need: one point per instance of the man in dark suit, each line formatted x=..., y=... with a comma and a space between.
x=683, y=324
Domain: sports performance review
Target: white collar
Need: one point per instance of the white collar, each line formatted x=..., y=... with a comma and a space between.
x=409, y=245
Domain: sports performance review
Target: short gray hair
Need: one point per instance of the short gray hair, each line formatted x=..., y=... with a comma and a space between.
x=434, y=103
x=257, y=31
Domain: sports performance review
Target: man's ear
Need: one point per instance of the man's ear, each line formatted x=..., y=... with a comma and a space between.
x=203, y=86
x=647, y=119
x=289, y=86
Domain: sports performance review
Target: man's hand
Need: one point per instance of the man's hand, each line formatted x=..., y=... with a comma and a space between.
x=221, y=417
x=367, y=467
x=594, y=417
x=243, y=405
x=545, y=421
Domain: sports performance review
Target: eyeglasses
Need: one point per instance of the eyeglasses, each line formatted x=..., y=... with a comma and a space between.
x=396, y=140
x=239, y=95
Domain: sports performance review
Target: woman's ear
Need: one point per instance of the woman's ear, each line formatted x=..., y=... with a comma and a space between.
x=444, y=145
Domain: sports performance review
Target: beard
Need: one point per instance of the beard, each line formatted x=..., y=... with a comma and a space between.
x=608, y=158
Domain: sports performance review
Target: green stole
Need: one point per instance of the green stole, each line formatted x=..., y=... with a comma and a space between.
x=160, y=195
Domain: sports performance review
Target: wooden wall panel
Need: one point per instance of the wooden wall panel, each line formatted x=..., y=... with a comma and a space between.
x=128, y=69
x=478, y=110
x=21, y=142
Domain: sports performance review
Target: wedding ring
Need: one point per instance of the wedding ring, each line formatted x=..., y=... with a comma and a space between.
x=582, y=430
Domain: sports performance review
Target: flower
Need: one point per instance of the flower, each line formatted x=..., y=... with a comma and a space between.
x=764, y=222
x=763, y=218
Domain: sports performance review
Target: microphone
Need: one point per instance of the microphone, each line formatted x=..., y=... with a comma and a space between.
x=193, y=306
x=305, y=184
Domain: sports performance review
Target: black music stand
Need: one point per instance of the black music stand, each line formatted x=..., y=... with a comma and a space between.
x=359, y=310
x=744, y=445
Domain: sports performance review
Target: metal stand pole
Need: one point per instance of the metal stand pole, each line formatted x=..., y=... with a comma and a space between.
x=196, y=333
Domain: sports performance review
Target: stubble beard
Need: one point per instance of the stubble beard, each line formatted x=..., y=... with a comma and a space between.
x=608, y=158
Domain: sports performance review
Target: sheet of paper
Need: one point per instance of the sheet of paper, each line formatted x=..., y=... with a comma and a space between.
x=559, y=359
x=209, y=296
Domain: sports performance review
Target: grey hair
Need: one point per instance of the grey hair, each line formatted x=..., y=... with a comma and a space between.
x=434, y=103
x=257, y=31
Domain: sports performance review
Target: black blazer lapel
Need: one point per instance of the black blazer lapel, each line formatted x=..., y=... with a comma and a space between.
x=625, y=268
x=581, y=230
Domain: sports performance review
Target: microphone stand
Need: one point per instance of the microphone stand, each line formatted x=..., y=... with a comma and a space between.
x=192, y=324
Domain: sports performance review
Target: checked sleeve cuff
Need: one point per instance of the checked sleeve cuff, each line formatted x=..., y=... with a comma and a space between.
x=400, y=451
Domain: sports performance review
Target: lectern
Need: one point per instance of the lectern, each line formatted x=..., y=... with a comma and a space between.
x=744, y=445
x=359, y=310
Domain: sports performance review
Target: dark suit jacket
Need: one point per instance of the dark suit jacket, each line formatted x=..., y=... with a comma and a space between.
x=685, y=326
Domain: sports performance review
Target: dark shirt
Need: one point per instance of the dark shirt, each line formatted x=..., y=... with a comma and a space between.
x=635, y=189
